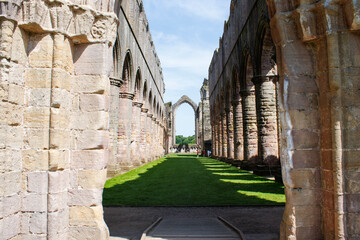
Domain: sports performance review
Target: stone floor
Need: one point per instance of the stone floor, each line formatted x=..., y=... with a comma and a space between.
x=257, y=223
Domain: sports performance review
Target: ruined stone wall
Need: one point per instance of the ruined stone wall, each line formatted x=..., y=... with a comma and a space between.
x=137, y=106
x=314, y=72
x=57, y=100
x=204, y=108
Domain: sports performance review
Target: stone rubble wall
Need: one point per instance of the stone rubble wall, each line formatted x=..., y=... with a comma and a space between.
x=306, y=104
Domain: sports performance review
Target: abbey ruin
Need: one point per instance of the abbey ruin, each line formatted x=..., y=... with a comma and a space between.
x=81, y=90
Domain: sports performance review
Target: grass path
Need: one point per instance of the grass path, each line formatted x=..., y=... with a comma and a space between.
x=184, y=180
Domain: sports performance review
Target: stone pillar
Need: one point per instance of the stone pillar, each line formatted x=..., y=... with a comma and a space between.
x=214, y=141
x=153, y=138
x=267, y=120
x=230, y=133
x=219, y=134
x=113, y=166
x=238, y=130
x=143, y=135
x=135, y=133
x=124, y=131
x=250, y=128
x=148, y=137
x=223, y=135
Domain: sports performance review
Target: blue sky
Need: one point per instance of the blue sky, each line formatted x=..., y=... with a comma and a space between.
x=185, y=33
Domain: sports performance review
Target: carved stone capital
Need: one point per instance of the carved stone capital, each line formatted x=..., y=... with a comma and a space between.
x=137, y=104
x=153, y=118
x=246, y=93
x=149, y=115
x=80, y=23
x=115, y=82
x=144, y=110
x=126, y=95
x=10, y=9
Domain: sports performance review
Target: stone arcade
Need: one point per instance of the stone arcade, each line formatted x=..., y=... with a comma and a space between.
x=284, y=83
x=81, y=91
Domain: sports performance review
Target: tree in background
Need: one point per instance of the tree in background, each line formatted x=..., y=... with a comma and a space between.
x=180, y=139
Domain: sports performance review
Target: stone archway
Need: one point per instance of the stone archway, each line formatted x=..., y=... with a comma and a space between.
x=184, y=99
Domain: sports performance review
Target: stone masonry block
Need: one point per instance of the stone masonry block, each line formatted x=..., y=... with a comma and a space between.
x=94, y=102
x=60, y=118
x=11, y=114
x=305, y=178
x=61, y=79
x=10, y=205
x=38, y=223
x=63, y=54
x=10, y=183
x=34, y=202
x=20, y=43
x=58, y=223
x=37, y=182
x=305, y=139
x=58, y=181
x=60, y=139
x=33, y=160
x=36, y=117
x=10, y=226
x=40, y=50
x=59, y=160
x=352, y=181
x=97, y=84
x=90, y=120
x=89, y=159
x=57, y=201
x=37, y=78
x=37, y=138
x=25, y=223
x=86, y=216
x=61, y=98
x=92, y=179
x=16, y=94
x=93, y=59
x=307, y=216
x=39, y=97
x=89, y=233
x=85, y=197
x=302, y=197
x=87, y=140
x=10, y=160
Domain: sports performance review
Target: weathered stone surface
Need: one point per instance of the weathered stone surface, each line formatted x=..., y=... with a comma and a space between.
x=94, y=102
x=38, y=223
x=34, y=202
x=88, y=140
x=35, y=160
x=92, y=179
x=58, y=181
x=10, y=205
x=85, y=197
x=10, y=183
x=37, y=182
x=10, y=226
x=89, y=159
x=10, y=160
x=86, y=216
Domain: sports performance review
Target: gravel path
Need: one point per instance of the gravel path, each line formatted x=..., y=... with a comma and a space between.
x=260, y=223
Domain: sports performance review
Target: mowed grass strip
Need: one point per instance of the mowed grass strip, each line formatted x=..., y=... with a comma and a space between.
x=184, y=180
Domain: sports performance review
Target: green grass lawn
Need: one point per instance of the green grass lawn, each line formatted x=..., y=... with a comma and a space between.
x=184, y=180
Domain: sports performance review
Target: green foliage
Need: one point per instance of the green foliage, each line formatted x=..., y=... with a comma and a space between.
x=185, y=180
x=180, y=139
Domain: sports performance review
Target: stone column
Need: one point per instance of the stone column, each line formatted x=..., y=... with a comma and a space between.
x=214, y=143
x=219, y=136
x=153, y=138
x=223, y=135
x=124, y=131
x=148, y=136
x=238, y=130
x=135, y=133
x=230, y=133
x=143, y=135
x=113, y=166
x=267, y=119
x=250, y=128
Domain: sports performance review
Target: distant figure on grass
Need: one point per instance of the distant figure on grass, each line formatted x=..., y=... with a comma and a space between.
x=203, y=153
x=197, y=153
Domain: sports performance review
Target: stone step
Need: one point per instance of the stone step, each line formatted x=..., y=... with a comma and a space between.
x=191, y=228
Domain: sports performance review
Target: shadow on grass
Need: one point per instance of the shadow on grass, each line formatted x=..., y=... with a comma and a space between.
x=190, y=181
